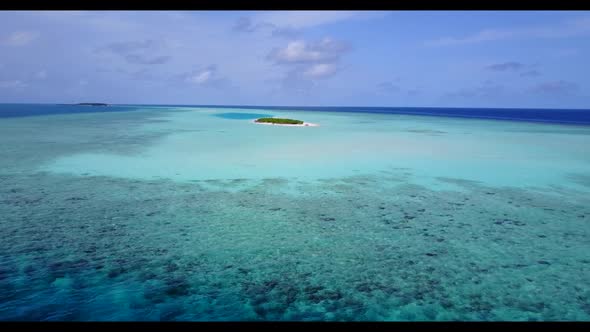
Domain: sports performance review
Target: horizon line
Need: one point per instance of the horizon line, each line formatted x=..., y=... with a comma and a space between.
x=302, y=106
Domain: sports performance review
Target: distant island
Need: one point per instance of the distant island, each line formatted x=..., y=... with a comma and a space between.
x=92, y=104
x=284, y=122
x=279, y=120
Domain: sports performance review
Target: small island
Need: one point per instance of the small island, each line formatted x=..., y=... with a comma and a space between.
x=92, y=104
x=284, y=122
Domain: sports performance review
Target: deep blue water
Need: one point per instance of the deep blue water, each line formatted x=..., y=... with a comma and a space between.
x=564, y=116
x=21, y=110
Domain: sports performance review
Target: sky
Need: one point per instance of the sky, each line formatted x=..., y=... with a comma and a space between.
x=504, y=59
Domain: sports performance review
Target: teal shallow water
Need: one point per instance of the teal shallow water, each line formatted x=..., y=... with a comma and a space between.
x=190, y=214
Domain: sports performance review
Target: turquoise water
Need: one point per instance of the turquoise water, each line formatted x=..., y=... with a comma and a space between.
x=241, y=116
x=200, y=214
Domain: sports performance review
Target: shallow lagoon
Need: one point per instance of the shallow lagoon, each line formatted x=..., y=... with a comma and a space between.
x=194, y=214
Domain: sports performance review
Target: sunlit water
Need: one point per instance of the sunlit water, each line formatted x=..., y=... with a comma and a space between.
x=200, y=214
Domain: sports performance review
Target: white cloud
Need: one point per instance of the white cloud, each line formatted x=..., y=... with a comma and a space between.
x=321, y=70
x=201, y=77
x=570, y=28
x=302, y=52
x=15, y=84
x=192, y=38
x=297, y=51
x=308, y=61
x=20, y=38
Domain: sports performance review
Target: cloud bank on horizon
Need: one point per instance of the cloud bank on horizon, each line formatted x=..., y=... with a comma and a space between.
x=303, y=58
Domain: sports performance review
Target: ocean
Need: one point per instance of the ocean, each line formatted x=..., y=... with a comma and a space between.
x=195, y=213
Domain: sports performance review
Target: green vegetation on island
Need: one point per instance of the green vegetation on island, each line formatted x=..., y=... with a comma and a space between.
x=279, y=121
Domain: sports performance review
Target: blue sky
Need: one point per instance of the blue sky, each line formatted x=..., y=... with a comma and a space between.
x=537, y=59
